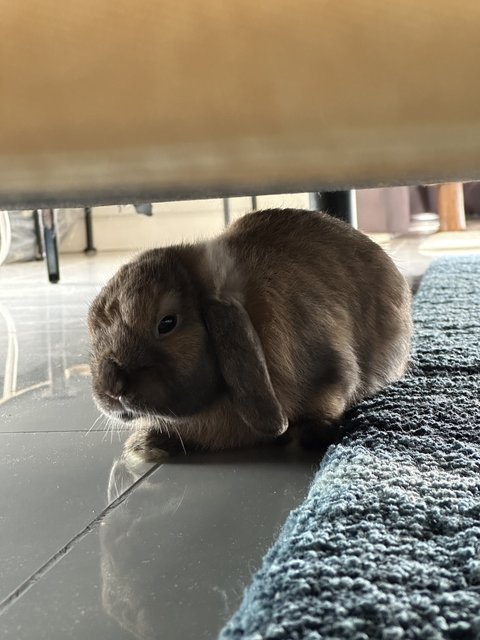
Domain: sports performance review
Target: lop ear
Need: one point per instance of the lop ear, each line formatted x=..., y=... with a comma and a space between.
x=242, y=363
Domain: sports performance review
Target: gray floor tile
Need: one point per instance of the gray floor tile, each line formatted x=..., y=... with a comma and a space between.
x=172, y=560
x=44, y=371
x=52, y=485
x=68, y=406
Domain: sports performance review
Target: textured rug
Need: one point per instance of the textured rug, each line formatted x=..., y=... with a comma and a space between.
x=387, y=542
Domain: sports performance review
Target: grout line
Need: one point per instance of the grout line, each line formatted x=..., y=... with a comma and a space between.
x=40, y=431
x=41, y=572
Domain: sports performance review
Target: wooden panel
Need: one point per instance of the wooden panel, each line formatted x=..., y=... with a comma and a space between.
x=133, y=97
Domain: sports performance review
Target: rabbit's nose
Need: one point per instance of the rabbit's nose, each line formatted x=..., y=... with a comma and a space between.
x=114, y=379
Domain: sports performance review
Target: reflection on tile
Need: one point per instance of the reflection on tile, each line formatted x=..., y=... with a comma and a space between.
x=46, y=407
x=52, y=485
x=172, y=560
x=44, y=373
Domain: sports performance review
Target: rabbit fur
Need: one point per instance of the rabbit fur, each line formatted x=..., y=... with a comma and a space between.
x=287, y=317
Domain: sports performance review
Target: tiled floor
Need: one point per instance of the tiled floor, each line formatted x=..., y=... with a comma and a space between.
x=90, y=548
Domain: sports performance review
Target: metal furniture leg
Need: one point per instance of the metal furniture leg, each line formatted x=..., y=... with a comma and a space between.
x=39, y=252
x=89, y=247
x=226, y=211
x=339, y=204
x=50, y=243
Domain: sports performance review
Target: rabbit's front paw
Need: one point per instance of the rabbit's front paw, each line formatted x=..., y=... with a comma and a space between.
x=315, y=433
x=151, y=445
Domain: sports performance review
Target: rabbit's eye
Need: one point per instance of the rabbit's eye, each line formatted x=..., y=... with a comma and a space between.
x=167, y=324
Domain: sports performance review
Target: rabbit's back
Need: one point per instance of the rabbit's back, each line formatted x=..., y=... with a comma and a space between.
x=323, y=297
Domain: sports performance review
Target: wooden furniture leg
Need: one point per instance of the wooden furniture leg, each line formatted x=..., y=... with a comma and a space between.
x=451, y=209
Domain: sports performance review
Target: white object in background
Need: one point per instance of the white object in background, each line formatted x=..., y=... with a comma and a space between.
x=5, y=236
x=11, y=364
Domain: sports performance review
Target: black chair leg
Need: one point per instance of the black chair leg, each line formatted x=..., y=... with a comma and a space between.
x=339, y=204
x=50, y=244
x=89, y=247
x=39, y=253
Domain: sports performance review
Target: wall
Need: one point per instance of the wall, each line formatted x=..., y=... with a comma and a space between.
x=118, y=228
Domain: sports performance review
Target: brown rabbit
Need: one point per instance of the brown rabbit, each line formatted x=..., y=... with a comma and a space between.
x=288, y=316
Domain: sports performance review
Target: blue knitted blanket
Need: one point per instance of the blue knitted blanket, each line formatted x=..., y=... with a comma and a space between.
x=387, y=543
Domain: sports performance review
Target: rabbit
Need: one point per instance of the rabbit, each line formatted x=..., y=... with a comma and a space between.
x=288, y=317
